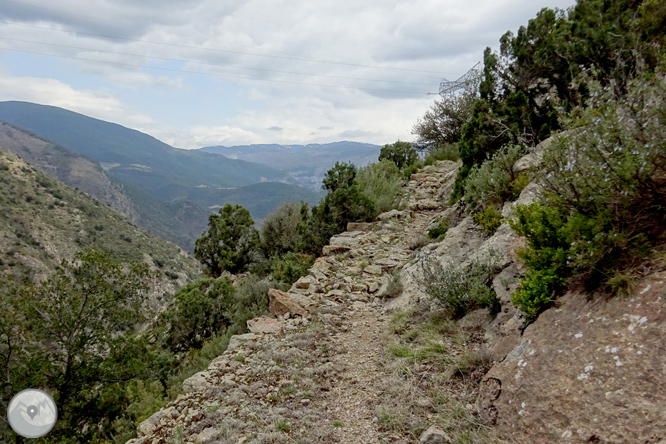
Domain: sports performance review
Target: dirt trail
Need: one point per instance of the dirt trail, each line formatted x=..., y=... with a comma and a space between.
x=324, y=379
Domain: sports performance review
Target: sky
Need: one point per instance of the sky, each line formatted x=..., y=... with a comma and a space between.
x=196, y=73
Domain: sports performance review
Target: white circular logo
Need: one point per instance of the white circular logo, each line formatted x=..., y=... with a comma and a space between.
x=32, y=413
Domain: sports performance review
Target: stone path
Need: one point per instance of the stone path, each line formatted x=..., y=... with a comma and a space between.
x=324, y=377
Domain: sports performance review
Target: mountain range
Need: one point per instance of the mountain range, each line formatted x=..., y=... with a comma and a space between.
x=306, y=164
x=166, y=190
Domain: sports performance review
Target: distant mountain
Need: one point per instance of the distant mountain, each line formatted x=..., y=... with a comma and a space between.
x=306, y=164
x=43, y=221
x=170, y=191
x=132, y=156
x=259, y=198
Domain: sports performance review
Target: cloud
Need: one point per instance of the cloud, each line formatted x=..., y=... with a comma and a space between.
x=56, y=93
x=285, y=72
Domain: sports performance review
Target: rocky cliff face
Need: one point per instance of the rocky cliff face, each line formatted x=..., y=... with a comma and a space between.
x=588, y=370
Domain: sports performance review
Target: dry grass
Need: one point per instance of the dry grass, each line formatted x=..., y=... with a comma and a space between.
x=431, y=364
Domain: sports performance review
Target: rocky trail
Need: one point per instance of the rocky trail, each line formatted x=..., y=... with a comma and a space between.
x=323, y=376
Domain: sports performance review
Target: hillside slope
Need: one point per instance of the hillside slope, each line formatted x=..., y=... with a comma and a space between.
x=42, y=221
x=67, y=166
x=590, y=369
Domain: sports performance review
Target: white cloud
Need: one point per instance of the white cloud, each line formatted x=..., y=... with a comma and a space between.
x=56, y=93
x=421, y=40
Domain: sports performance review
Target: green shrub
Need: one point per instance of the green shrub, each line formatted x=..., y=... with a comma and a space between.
x=289, y=267
x=536, y=292
x=595, y=178
x=460, y=289
x=548, y=237
x=279, y=230
x=440, y=230
x=343, y=203
x=400, y=153
x=489, y=220
x=382, y=183
x=250, y=300
x=411, y=169
x=230, y=241
x=442, y=151
x=200, y=310
x=495, y=182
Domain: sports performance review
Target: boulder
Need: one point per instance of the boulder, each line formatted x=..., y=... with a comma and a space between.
x=153, y=423
x=196, y=383
x=264, y=325
x=240, y=340
x=303, y=282
x=532, y=159
x=588, y=370
x=392, y=214
x=281, y=303
x=359, y=226
x=434, y=435
x=374, y=270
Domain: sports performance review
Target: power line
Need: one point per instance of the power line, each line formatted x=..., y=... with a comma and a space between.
x=301, y=59
x=211, y=64
x=61, y=11
x=216, y=75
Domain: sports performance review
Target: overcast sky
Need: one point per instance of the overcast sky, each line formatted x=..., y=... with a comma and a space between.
x=208, y=72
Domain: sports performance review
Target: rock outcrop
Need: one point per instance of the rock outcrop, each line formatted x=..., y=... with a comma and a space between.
x=589, y=370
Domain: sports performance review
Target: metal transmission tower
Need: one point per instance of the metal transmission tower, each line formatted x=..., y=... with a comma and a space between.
x=450, y=87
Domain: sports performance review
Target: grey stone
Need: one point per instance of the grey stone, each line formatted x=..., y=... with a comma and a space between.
x=392, y=214
x=264, y=325
x=241, y=340
x=434, y=435
x=196, y=383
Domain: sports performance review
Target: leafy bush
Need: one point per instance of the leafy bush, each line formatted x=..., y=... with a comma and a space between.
x=491, y=183
x=442, y=151
x=440, y=230
x=74, y=334
x=230, y=241
x=595, y=178
x=411, y=169
x=200, y=310
x=460, y=289
x=489, y=220
x=250, y=300
x=537, y=291
x=289, y=267
x=400, y=153
x=279, y=230
x=382, y=183
x=343, y=203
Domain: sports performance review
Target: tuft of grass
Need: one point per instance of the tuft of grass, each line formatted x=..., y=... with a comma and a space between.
x=282, y=425
x=394, y=287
